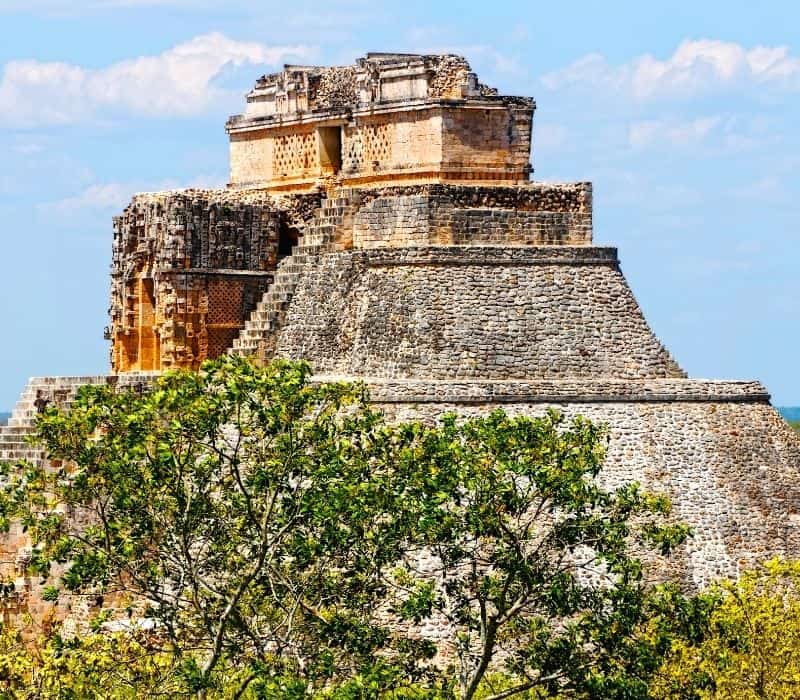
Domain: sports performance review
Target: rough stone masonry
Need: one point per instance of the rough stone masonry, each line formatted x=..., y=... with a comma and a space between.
x=381, y=223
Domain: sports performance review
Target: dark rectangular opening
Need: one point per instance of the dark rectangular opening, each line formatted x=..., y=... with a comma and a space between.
x=330, y=149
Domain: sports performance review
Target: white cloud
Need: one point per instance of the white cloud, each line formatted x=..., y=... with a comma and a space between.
x=100, y=196
x=696, y=67
x=27, y=148
x=114, y=196
x=490, y=64
x=651, y=132
x=769, y=188
x=177, y=82
x=484, y=58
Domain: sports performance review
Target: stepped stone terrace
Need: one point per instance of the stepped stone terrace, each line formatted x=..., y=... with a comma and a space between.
x=196, y=273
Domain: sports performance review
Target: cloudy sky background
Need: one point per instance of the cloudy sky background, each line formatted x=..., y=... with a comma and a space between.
x=686, y=117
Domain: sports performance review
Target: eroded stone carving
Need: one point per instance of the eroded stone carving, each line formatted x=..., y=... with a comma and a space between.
x=388, y=118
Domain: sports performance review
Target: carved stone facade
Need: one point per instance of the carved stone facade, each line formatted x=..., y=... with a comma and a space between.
x=188, y=268
x=445, y=292
x=390, y=118
x=405, y=131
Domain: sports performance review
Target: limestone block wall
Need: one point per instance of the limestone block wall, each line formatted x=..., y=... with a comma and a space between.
x=487, y=144
x=377, y=145
x=251, y=157
x=729, y=463
x=535, y=214
x=472, y=312
x=280, y=156
x=429, y=143
x=390, y=117
x=371, y=147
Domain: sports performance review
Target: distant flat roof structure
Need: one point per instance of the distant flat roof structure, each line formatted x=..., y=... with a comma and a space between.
x=395, y=118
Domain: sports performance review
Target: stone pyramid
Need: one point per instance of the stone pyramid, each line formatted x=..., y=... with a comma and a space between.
x=380, y=223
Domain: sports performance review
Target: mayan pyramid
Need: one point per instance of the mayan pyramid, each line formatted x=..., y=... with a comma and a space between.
x=380, y=222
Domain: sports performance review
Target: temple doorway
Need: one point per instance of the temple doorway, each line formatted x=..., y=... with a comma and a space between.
x=330, y=149
x=288, y=237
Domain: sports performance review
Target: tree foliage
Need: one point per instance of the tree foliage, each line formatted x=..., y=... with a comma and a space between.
x=531, y=556
x=113, y=666
x=279, y=529
x=752, y=649
x=237, y=509
x=130, y=665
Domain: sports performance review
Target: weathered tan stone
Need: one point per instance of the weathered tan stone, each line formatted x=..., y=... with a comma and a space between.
x=188, y=267
x=389, y=118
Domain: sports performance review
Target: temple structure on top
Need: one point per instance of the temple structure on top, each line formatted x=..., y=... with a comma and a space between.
x=399, y=118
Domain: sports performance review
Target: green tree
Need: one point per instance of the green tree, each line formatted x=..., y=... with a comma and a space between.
x=752, y=649
x=239, y=509
x=531, y=560
x=280, y=529
x=113, y=666
x=129, y=665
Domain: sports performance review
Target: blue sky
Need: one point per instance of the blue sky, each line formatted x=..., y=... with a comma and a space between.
x=685, y=115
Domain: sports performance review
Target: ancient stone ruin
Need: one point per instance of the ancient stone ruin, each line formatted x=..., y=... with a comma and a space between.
x=380, y=223
x=389, y=119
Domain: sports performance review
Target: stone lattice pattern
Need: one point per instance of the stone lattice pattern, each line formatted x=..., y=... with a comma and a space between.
x=295, y=153
x=389, y=118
